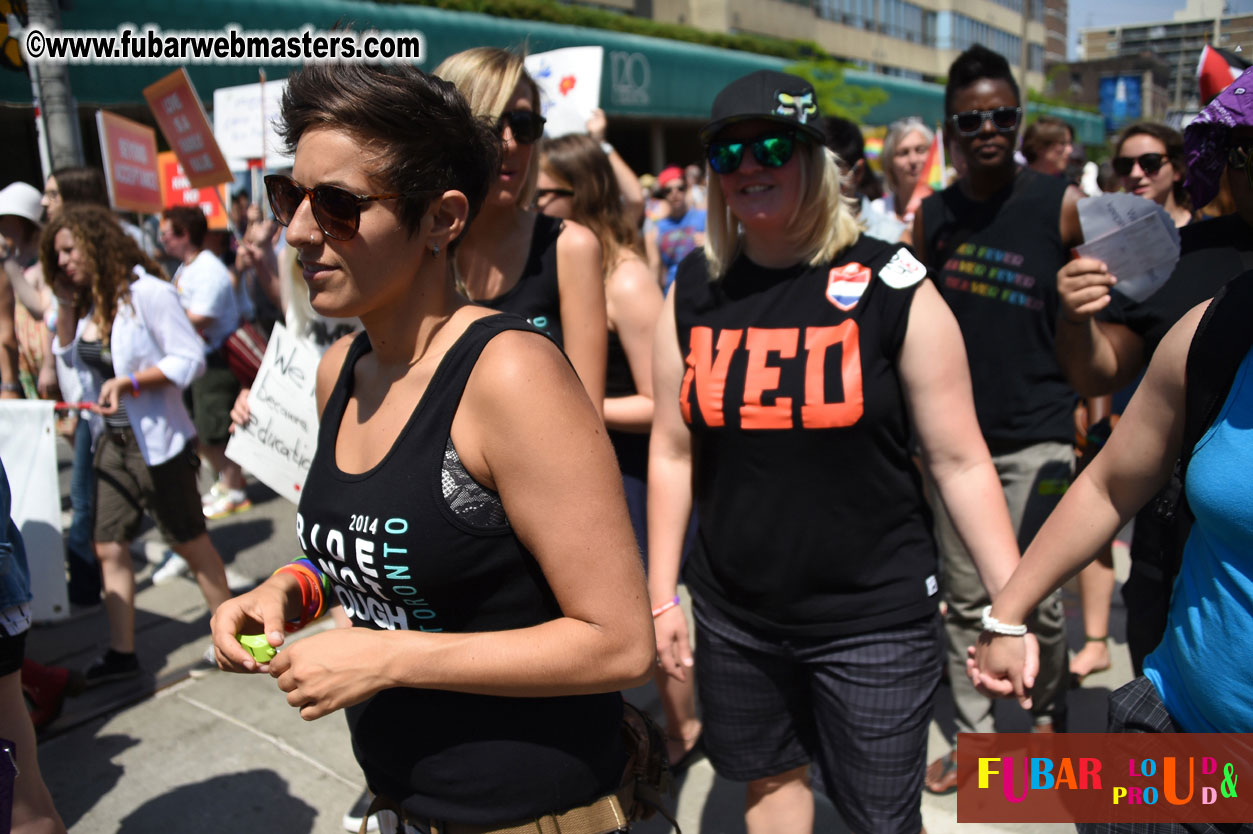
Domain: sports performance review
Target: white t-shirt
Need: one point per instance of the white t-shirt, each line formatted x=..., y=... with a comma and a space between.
x=204, y=289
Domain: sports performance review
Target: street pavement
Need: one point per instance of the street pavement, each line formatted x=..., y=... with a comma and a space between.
x=192, y=750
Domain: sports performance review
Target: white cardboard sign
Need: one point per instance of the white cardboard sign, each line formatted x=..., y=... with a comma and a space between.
x=278, y=443
x=569, y=83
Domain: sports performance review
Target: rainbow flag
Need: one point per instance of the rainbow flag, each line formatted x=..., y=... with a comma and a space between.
x=932, y=178
x=874, y=149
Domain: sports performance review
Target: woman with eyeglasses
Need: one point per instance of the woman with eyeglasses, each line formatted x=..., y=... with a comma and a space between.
x=463, y=505
x=576, y=182
x=1149, y=162
x=797, y=363
x=122, y=334
x=514, y=259
x=670, y=238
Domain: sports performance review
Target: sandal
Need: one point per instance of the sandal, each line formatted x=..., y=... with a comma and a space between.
x=941, y=776
x=696, y=751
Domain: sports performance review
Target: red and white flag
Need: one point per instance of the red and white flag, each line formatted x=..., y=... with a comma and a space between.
x=1217, y=69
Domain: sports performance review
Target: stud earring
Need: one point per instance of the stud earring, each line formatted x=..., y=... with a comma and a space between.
x=435, y=250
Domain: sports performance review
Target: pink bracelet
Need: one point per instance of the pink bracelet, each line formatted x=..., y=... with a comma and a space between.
x=134, y=385
x=665, y=606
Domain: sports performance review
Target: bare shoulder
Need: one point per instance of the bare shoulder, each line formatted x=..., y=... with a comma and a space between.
x=576, y=239
x=1171, y=356
x=630, y=277
x=329, y=367
x=517, y=366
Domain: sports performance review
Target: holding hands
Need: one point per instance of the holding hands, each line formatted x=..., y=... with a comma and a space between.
x=1001, y=666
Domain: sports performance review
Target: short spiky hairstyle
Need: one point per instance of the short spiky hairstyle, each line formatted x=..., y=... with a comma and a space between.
x=417, y=134
x=976, y=63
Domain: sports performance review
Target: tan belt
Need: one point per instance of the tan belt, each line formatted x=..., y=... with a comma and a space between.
x=603, y=816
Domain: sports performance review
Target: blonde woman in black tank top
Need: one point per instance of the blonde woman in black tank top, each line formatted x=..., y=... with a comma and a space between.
x=514, y=259
x=494, y=621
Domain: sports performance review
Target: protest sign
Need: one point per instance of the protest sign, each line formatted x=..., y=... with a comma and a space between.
x=569, y=83
x=28, y=446
x=277, y=444
x=129, y=152
x=181, y=117
x=237, y=120
x=177, y=190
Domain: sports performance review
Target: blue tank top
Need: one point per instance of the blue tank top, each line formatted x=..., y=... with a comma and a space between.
x=1202, y=667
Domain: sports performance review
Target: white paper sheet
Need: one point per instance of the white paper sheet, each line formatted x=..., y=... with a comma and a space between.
x=1134, y=237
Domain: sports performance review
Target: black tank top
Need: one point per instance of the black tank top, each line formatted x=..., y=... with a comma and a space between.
x=811, y=514
x=400, y=558
x=618, y=379
x=536, y=297
x=997, y=263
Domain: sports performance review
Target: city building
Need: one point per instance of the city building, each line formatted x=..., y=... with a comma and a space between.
x=1178, y=42
x=1127, y=88
x=915, y=39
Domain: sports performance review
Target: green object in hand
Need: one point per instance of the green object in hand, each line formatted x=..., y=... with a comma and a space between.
x=258, y=646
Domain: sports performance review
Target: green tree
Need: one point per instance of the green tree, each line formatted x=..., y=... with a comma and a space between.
x=835, y=97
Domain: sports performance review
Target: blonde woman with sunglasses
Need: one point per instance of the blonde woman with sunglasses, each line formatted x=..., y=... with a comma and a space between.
x=515, y=259
x=797, y=363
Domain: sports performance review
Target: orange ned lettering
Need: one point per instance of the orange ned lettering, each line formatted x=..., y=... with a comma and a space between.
x=760, y=378
x=816, y=413
x=708, y=372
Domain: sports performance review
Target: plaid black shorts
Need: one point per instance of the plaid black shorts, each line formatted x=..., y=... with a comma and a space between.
x=860, y=705
x=1136, y=708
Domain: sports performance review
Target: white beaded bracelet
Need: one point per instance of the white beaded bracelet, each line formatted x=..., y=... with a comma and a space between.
x=994, y=626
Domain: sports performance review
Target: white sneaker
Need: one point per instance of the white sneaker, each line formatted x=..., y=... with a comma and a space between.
x=215, y=493
x=229, y=502
x=172, y=568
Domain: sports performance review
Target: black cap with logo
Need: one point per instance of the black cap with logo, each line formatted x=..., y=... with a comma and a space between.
x=766, y=95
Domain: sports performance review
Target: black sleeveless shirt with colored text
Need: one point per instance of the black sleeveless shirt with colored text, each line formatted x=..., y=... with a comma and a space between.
x=811, y=517
x=996, y=263
x=536, y=297
x=400, y=557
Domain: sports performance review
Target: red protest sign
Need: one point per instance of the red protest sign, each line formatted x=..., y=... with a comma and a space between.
x=177, y=190
x=129, y=151
x=180, y=114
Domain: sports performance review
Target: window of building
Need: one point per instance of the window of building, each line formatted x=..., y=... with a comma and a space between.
x=896, y=18
x=1035, y=57
x=958, y=32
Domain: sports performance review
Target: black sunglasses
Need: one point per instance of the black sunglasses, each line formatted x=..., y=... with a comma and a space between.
x=970, y=122
x=772, y=150
x=527, y=126
x=1150, y=163
x=541, y=193
x=336, y=211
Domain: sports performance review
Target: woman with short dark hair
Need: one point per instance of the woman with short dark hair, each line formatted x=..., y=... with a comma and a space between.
x=462, y=506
